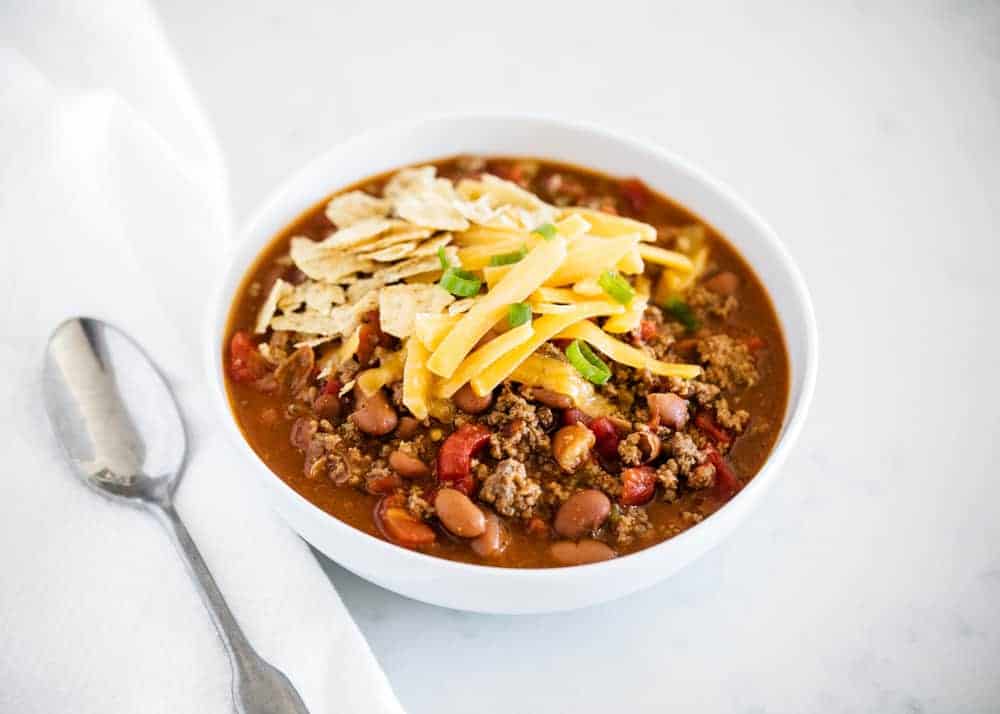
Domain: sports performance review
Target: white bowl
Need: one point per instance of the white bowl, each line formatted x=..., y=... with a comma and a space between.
x=502, y=590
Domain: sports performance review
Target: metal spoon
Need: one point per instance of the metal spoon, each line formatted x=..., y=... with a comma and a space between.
x=122, y=431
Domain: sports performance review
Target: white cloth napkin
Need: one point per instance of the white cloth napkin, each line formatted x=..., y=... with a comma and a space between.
x=113, y=204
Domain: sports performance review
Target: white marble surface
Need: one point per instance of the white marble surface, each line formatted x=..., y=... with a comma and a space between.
x=868, y=136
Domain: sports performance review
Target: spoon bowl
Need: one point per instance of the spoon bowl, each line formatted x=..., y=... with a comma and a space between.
x=113, y=412
x=122, y=431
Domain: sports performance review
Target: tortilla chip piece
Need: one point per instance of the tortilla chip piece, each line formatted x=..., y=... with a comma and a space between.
x=392, y=253
x=430, y=247
x=362, y=231
x=404, y=233
x=322, y=263
x=431, y=210
x=360, y=288
x=310, y=322
x=314, y=342
x=411, y=180
x=431, y=276
x=460, y=306
x=414, y=266
x=279, y=290
x=479, y=211
x=352, y=207
x=319, y=297
x=399, y=305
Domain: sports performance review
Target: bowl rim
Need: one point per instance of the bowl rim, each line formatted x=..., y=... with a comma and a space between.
x=795, y=414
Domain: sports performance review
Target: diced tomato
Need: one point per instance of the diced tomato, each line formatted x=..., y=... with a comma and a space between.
x=647, y=330
x=754, y=343
x=727, y=484
x=573, y=416
x=332, y=386
x=399, y=526
x=636, y=194
x=638, y=485
x=454, y=459
x=705, y=422
x=537, y=526
x=509, y=172
x=383, y=483
x=562, y=344
x=246, y=364
x=607, y=437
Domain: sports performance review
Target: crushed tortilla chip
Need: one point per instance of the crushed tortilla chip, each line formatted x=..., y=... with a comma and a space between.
x=279, y=290
x=322, y=263
x=414, y=266
x=392, y=253
x=430, y=247
x=460, y=306
x=350, y=208
x=402, y=234
x=399, y=305
x=319, y=297
x=410, y=180
x=431, y=210
x=357, y=233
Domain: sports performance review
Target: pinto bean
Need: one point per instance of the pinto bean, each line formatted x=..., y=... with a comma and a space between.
x=724, y=283
x=408, y=466
x=408, y=427
x=549, y=398
x=493, y=540
x=567, y=552
x=459, y=514
x=671, y=409
x=470, y=402
x=571, y=446
x=327, y=406
x=583, y=512
x=375, y=416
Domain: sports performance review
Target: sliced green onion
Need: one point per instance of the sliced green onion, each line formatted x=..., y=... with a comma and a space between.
x=683, y=313
x=508, y=258
x=518, y=314
x=443, y=258
x=546, y=231
x=587, y=363
x=460, y=282
x=616, y=286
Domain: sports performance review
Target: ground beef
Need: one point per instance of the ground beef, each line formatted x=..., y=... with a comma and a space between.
x=331, y=454
x=629, y=451
x=684, y=457
x=707, y=303
x=592, y=475
x=702, y=476
x=728, y=363
x=667, y=477
x=520, y=427
x=733, y=420
x=510, y=490
x=417, y=504
x=701, y=392
x=629, y=523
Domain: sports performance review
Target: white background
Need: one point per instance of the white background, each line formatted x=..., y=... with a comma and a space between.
x=868, y=135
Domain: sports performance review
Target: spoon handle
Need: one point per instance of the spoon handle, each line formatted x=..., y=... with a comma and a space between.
x=258, y=687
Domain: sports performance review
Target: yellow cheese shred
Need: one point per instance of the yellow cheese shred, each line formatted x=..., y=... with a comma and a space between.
x=630, y=319
x=625, y=354
x=416, y=379
x=390, y=370
x=515, y=286
x=669, y=258
x=611, y=226
x=546, y=327
x=431, y=329
x=559, y=376
x=483, y=357
x=589, y=257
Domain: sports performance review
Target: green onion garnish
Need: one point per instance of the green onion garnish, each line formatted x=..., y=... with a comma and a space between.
x=460, y=282
x=616, y=286
x=546, y=231
x=587, y=363
x=508, y=258
x=443, y=258
x=682, y=312
x=518, y=314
